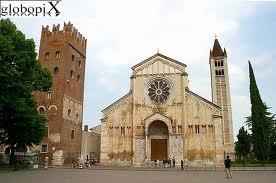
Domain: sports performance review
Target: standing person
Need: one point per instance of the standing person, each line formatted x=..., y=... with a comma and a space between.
x=173, y=163
x=227, y=164
x=182, y=165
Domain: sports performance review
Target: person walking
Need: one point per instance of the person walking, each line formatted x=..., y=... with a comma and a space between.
x=227, y=164
x=182, y=165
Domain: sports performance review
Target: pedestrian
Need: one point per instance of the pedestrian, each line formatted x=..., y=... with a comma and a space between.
x=227, y=164
x=173, y=163
x=182, y=165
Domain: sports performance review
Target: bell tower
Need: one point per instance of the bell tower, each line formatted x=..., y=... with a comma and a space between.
x=63, y=52
x=221, y=92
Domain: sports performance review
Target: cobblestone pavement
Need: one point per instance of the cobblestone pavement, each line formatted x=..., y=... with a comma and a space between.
x=131, y=176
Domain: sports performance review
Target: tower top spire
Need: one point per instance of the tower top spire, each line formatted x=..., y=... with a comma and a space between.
x=217, y=50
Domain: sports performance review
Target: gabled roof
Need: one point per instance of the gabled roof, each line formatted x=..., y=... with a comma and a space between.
x=201, y=98
x=117, y=101
x=217, y=50
x=158, y=55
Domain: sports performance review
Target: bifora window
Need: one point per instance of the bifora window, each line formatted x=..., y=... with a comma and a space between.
x=159, y=90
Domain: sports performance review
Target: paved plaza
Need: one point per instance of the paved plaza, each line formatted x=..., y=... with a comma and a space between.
x=132, y=176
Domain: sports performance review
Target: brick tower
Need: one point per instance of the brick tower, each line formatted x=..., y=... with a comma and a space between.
x=63, y=53
x=221, y=92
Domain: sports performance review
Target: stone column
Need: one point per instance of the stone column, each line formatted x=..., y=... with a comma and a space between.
x=146, y=148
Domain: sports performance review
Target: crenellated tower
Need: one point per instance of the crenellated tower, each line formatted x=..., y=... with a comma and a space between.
x=63, y=53
x=221, y=92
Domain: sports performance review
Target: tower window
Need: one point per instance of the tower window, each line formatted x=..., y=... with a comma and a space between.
x=79, y=63
x=221, y=63
x=216, y=63
x=56, y=70
x=222, y=72
x=44, y=148
x=41, y=110
x=78, y=77
x=58, y=54
x=72, y=134
x=73, y=57
x=72, y=74
x=217, y=73
x=47, y=55
x=49, y=94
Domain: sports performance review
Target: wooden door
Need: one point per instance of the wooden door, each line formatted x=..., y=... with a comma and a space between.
x=159, y=149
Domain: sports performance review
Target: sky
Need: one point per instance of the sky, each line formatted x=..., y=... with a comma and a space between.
x=122, y=33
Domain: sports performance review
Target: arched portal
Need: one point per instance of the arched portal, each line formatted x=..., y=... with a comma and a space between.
x=158, y=134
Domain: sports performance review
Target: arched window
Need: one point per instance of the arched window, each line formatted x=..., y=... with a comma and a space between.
x=41, y=109
x=69, y=112
x=216, y=63
x=217, y=73
x=222, y=72
x=56, y=70
x=221, y=63
x=72, y=134
x=47, y=55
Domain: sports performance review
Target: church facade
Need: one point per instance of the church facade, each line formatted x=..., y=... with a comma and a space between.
x=160, y=118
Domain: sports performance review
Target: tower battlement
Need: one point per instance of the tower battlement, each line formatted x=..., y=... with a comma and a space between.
x=68, y=33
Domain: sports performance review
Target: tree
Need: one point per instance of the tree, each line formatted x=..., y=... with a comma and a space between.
x=242, y=146
x=20, y=75
x=260, y=122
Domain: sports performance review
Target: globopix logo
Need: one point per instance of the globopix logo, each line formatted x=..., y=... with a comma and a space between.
x=29, y=8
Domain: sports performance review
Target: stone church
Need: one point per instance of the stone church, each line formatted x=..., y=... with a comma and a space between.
x=160, y=118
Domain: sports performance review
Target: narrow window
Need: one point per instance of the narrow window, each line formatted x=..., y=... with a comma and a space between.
x=217, y=73
x=216, y=63
x=47, y=55
x=69, y=112
x=122, y=131
x=77, y=116
x=72, y=134
x=179, y=129
x=56, y=70
x=222, y=72
x=79, y=63
x=44, y=148
x=197, y=129
x=73, y=57
x=72, y=74
x=221, y=62
x=57, y=54
x=78, y=77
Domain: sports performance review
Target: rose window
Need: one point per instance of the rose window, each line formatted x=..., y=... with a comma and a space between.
x=158, y=90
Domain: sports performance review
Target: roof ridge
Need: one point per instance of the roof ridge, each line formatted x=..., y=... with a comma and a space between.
x=156, y=55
